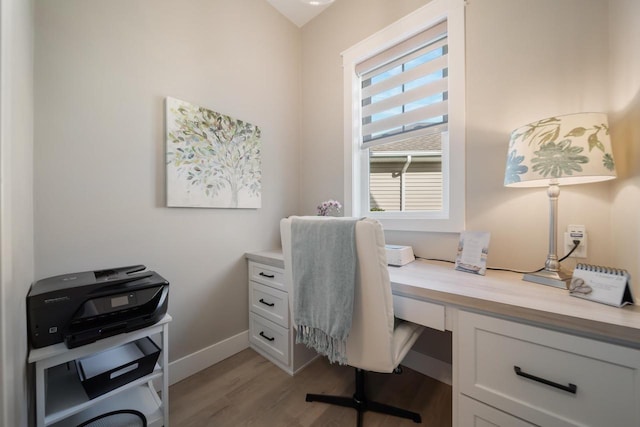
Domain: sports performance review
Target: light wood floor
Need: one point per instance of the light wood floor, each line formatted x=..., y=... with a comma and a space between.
x=248, y=390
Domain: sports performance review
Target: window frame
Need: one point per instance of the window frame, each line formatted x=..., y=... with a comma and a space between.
x=356, y=166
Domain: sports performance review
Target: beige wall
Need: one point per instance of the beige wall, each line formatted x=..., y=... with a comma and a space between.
x=16, y=203
x=103, y=70
x=624, y=22
x=526, y=60
x=339, y=27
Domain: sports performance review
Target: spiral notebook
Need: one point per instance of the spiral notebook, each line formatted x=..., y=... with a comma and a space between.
x=605, y=285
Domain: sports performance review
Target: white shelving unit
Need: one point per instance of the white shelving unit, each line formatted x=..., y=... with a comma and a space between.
x=61, y=400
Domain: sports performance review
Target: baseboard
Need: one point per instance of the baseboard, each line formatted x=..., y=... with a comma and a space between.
x=202, y=359
x=429, y=366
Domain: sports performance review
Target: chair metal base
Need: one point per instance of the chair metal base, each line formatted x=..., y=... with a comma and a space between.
x=360, y=403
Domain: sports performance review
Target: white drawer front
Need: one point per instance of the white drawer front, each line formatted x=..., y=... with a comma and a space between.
x=270, y=303
x=267, y=275
x=472, y=413
x=606, y=376
x=420, y=312
x=271, y=338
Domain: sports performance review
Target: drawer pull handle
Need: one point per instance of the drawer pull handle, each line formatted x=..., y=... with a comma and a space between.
x=269, y=304
x=266, y=337
x=268, y=276
x=571, y=388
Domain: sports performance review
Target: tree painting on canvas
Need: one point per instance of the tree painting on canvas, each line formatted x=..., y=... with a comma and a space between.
x=213, y=160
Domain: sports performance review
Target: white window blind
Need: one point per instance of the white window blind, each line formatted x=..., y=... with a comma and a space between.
x=404, y=99
x=404, y=89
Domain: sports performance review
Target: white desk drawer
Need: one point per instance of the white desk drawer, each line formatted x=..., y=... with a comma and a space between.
x=606, y=376
x=270, y=303
x=420, y=312
x=472, y=413
x=271, y=338
x=267, y=275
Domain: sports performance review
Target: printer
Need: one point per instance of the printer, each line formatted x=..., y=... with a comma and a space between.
x=81, y=308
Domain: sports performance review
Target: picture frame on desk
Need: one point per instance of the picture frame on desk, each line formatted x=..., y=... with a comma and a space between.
x=473, y=249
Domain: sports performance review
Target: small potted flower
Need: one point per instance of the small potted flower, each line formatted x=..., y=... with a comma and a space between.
x=329, y=207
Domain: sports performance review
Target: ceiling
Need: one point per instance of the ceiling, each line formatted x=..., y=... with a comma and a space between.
x=296, y=11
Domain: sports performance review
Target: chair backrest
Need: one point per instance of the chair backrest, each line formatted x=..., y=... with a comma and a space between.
x=370, y=341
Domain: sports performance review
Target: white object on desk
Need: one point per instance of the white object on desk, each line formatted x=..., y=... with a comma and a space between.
x=398, y=256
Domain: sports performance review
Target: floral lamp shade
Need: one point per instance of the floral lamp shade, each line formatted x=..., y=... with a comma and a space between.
x=570, y=149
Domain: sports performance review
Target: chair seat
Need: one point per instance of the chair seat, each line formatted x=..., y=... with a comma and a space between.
x=405, y=335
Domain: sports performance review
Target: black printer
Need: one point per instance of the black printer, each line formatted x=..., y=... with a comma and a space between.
x=80, y=308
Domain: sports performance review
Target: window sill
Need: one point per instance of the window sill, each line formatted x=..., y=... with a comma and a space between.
x=424, y=224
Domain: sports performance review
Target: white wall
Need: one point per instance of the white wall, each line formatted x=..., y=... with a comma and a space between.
x=526, y=60
x=624, y=20
x=16, y=203
x=102, y=72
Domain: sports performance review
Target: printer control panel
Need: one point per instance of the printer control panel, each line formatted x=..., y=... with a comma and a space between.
x=118, y=302
x=122, y=300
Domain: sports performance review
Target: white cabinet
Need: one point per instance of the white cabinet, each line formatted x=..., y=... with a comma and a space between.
x=62, y=401
x=267, y=337
x=270, y=303
x=270, y=330
x=472, y=413
x=545, y=377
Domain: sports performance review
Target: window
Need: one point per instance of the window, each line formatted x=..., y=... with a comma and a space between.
x=404, y=132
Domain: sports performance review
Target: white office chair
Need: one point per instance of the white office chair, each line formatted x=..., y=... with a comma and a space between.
x=377, y=341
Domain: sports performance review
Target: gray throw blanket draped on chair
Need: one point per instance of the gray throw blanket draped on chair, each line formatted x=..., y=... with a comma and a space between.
x=324, y=263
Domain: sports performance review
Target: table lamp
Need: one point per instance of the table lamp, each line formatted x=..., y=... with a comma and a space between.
x=560, y=150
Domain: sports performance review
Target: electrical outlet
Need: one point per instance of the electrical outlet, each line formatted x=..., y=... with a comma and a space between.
x=576, y=232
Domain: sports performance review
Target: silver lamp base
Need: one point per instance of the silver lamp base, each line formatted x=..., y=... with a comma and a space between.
x=558, y=279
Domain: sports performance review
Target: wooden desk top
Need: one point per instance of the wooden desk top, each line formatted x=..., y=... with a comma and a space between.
x=505, y=294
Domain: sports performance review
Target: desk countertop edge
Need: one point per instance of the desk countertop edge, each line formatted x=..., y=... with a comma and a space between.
x=273, y=258
x=532, y=303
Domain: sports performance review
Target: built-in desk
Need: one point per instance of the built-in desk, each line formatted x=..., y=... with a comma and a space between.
x=523, y=354
x=505, y=294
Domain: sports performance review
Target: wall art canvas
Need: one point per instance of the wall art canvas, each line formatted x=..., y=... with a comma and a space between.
x=213, y=160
